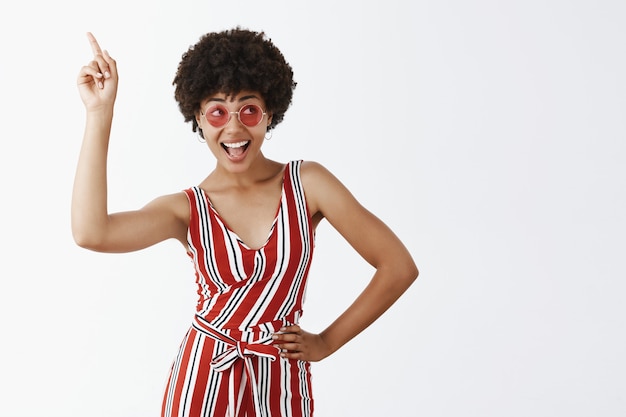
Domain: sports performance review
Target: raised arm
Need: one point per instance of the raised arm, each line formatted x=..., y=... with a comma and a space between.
x=92, y=226
x=375, y=242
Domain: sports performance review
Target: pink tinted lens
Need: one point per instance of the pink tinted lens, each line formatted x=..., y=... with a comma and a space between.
x=250, y=115
x=217, y=115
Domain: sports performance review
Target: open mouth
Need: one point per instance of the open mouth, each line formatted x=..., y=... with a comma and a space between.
x=236, y=149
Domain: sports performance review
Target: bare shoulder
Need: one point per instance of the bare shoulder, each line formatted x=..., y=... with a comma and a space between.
x=324, y=191
x=167, y=216
x=311, y=171
x=315, y=174
x=175, y=204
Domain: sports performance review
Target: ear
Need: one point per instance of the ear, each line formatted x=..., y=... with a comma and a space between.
x=269, y=118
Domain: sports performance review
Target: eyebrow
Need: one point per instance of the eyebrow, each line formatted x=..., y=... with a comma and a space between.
x=222, y=100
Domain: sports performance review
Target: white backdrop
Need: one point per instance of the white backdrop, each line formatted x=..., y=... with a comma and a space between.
x=489, y=135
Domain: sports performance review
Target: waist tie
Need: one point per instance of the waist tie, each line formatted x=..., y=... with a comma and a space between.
x=239, y=350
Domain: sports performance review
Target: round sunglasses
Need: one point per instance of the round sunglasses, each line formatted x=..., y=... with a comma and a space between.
x=249, y=115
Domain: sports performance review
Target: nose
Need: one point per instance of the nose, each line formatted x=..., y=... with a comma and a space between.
x=233, y=121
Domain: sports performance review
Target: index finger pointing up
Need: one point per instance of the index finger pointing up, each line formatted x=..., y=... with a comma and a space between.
x=94, y=44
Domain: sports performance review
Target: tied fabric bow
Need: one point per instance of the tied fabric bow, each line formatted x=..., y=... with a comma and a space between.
x=243, y=350
x=239, y=355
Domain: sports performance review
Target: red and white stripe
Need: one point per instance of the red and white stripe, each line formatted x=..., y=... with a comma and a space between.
x=226, y=364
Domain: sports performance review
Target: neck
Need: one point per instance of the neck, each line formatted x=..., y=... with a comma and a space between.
x=257, y=171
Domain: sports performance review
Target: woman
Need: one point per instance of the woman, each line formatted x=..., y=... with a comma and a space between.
x=248, y=228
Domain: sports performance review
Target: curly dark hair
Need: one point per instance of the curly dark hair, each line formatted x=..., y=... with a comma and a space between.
x=229, y=62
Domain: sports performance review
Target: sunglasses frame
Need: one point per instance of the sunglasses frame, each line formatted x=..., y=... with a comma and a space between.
x=230, y=113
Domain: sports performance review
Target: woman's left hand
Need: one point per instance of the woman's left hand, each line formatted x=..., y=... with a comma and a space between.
x=296, y=343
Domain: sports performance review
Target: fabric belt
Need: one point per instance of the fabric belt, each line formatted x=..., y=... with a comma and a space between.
x=239, y=353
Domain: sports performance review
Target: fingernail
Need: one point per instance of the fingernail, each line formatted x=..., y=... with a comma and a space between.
x=100, y=85
x=99, y=75
x=282, y=329
x=274, y=337
x=107, y=74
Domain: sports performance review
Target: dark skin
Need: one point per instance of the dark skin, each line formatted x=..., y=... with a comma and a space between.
x=246, y=186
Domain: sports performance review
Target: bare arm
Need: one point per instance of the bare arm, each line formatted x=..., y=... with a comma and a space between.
x=92, y=226
x=375, y=242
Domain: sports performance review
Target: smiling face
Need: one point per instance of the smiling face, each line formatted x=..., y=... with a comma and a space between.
x=234, y=127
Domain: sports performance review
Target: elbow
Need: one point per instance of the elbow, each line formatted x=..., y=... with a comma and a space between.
x=415, y=272
x=404, y=273
x=86, y=240
x=400, y=276
x=85, y=223
x=405, y=267
x=410, y=273
x=401, y=269
x=88, y=233
x=83, y=241
x=406, y=270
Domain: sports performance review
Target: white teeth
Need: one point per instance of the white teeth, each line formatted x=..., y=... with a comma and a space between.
x=236, y=144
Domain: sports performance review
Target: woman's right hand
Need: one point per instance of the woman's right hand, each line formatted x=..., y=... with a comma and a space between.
x=97, y=81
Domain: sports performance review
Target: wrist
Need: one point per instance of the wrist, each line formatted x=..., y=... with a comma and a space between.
x=102, y=110
x=101, y=115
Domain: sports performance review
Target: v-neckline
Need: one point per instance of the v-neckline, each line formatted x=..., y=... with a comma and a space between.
x=272, y=227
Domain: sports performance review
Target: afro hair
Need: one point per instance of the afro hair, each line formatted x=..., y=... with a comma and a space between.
x=229, y=62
